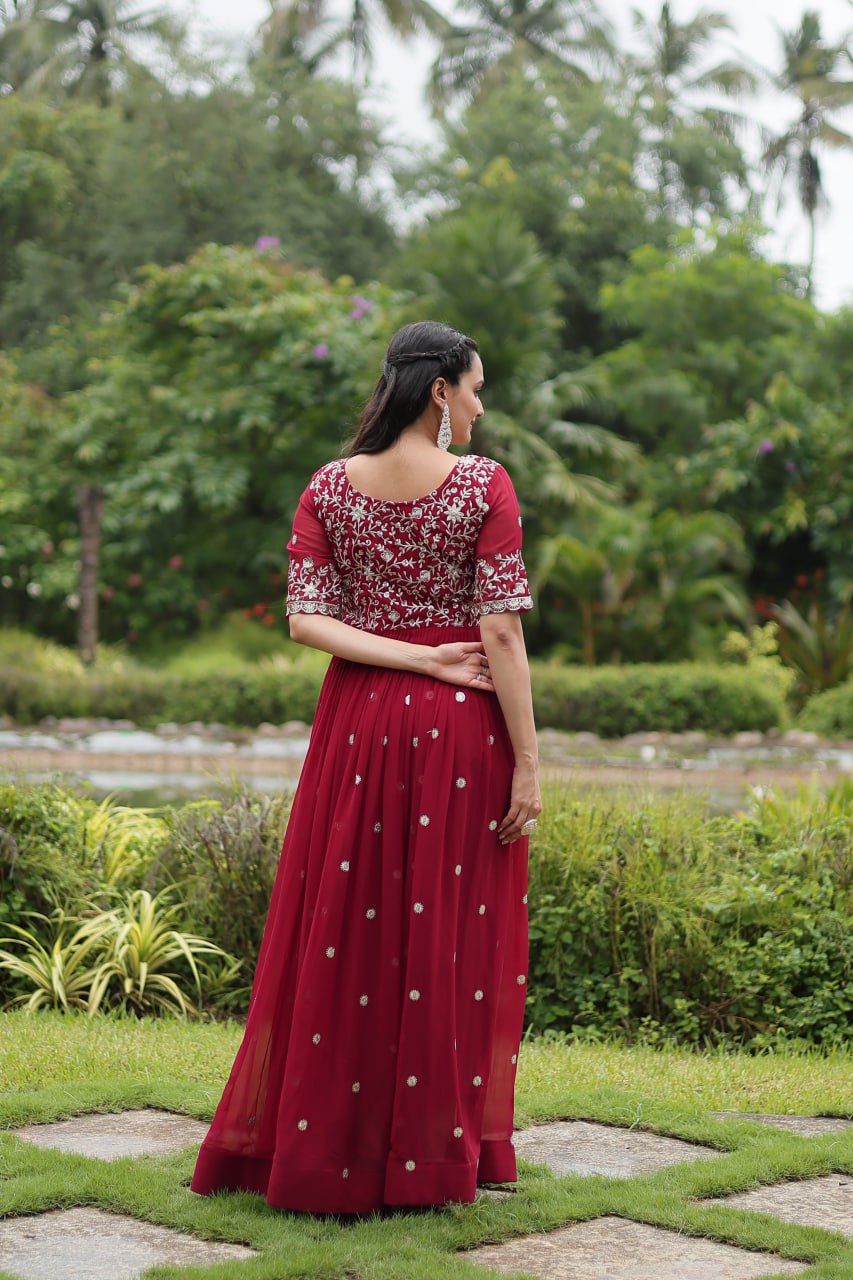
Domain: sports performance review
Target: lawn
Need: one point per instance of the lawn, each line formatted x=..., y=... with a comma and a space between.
x=52, y=1066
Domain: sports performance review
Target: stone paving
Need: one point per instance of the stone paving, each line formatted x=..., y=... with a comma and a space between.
x=616, y=1249
x=89, y=1244
x=85, y=1243
x=114, y=1135
x=578, y=1146
x=813, y=1202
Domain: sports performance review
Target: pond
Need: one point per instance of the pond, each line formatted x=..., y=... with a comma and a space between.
x=177, y=763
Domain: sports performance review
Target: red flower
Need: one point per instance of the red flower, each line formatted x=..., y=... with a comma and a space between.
x=259, y=609
x=203, y=604
x=47, y=548
x=247, y=613
x=134, y=580
x=802, y=580
x=107, y=593
x=267, y=619
x=176, y=562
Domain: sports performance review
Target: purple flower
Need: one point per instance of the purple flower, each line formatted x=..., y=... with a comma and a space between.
x=361, y=306
x=791, y=468
x=267, y=242
x=766, y=446
x=320, y=351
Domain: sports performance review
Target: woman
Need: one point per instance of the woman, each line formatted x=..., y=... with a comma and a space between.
x=379, y=1057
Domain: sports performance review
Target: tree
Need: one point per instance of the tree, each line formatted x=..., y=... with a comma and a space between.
x=711, y=325
x=691, y=149
x=222, y=383
x=521, y=35
x=84, y=48
x=810, y=72
x=483, y=273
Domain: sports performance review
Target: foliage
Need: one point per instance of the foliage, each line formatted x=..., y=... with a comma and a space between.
x=758, y=651
x=649, y=920
x=661, y=920
x=133, y=949
x=692, y=153
x=711, y=324
x=820, y=649
x=547, y=34
x=830, y=714
x=633, y=585
x=203, y=457
x=39, y=846
x=484, y=274
x=608, y=700
x=222, y=857
x=613, y=701
x=167, y=173
x=59, y=973
x=780, y=469
x=814, y=70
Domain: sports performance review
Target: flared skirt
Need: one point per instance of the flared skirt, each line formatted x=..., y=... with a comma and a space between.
x=381, y=1043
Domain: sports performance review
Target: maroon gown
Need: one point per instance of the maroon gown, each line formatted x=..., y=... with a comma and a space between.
x=379, y=1056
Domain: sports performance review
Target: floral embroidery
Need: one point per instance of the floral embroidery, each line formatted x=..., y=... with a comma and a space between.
x=407, y=564
x=311, y=587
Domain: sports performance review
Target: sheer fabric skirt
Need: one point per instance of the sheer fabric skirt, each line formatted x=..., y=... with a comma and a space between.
x=379, y=1057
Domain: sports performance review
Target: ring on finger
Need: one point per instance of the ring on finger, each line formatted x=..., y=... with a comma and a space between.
x=528, y=827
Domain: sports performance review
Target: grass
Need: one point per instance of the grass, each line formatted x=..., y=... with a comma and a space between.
x=53, y=1066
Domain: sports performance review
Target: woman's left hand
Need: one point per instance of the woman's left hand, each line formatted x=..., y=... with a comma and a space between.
x=462, y=662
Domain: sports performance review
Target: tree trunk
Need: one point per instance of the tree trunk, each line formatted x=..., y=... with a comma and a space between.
x=90, y=500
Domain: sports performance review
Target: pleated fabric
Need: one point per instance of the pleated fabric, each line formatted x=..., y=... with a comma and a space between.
x=379, y=1057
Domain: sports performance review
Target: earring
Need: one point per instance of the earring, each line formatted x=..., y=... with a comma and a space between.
x=445, y=434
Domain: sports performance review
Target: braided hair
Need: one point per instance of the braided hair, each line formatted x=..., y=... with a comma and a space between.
x=417, y=355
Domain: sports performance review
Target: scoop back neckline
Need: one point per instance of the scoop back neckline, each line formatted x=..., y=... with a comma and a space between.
x=401, y=502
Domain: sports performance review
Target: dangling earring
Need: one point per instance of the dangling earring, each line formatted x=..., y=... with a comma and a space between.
x=445, y=434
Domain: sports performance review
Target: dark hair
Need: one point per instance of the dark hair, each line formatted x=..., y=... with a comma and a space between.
x=417, y=355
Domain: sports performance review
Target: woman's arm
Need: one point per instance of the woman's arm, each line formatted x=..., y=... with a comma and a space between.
x=459, y=662
x=503, y=640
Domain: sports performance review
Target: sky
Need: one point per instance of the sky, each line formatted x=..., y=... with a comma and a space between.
x=400, y=72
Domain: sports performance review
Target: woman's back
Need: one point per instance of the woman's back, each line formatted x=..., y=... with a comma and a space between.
x=442, y=558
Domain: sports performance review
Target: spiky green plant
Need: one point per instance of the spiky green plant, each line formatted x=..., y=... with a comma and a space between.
x=144, y=949
x=59, y=972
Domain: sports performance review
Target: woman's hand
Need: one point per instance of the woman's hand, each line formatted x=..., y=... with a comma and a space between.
x=462, y=662
x=525, y=802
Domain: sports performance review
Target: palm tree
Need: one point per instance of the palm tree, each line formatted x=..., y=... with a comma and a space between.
x=83, y=47
x=563, y=34
x=298, y=35
x=100, y=35
x=809, y=71
x=405, y=17
x=671, y=84
x=25, y=41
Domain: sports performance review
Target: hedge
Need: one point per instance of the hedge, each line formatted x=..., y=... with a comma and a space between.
x=646, y=920
x=830, y=713
x=610, y=701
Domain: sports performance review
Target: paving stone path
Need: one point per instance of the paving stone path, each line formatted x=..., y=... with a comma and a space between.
x=85, y=1243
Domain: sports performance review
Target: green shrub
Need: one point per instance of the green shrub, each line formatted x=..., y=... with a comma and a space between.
x=613, y=701
x=647, y=920
x=39, y=836
x=222, y=857
x=830, y=713
x=59, y=847
x=610, y=701
x=660, y=921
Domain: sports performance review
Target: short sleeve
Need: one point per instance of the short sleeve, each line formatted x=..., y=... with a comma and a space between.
x=500, y=576
x=313, y=578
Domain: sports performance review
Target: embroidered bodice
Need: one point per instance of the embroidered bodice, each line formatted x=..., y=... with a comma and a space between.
x=440, y=560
